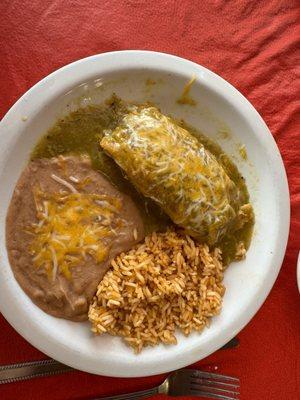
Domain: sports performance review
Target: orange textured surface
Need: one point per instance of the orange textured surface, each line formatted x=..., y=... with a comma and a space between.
x=252, y=44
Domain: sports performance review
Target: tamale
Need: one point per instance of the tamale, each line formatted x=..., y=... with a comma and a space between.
x=169, y=165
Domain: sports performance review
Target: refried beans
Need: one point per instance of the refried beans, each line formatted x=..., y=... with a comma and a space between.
x=65, y=223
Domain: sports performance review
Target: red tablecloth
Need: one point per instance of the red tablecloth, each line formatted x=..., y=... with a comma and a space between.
x=253, y=45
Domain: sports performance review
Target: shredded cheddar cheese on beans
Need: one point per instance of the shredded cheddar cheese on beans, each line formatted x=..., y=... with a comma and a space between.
x=70, y=227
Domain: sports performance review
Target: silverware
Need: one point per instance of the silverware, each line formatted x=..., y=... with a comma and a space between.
x=19, y=372
x=33, y=369
x=189, y=382
x=234, y=342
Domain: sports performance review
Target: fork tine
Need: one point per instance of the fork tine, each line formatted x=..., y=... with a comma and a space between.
x=214, y=389
x=211, y=395
x=215, y=386
x=201, y=374
x=209, y=382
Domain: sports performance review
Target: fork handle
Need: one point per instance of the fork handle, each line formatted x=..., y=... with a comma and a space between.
x=131, y=396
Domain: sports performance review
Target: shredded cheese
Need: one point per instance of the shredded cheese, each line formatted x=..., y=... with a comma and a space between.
x=63, y=182
x=74, y=179
x=70, y=228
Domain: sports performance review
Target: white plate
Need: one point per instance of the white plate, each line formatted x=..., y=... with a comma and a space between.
x=219, y=107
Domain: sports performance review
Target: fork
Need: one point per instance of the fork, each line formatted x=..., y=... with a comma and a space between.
x=189, y=382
